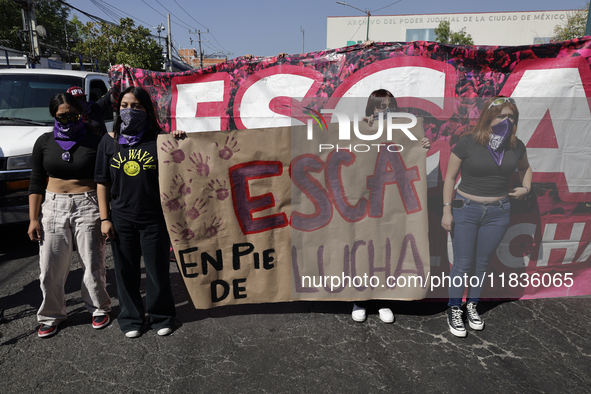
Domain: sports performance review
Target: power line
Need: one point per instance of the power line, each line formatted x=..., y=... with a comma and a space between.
x=104, y=8
x=221, y=47
x=107, y=11
x=98, y=19
x=185, y=23
x=162, y=15
x=93, y=17
x=190, y=16
x=112, y=6
x=387, y=6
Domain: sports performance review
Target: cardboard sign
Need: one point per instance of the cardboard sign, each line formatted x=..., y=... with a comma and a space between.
x=256, y=216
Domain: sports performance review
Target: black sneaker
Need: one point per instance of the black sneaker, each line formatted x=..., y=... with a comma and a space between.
x=456, y=322
x=474, y=319
x=46, y=331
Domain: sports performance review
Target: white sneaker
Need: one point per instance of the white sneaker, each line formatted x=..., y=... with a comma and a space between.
x=358, y=313
x=386, y=315
x=164, y=331
x=132, y=334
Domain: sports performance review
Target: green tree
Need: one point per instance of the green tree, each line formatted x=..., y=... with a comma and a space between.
x=444, y=34
x=574, y=26
x=124, y=44
x=51, y=14
x=11, y=24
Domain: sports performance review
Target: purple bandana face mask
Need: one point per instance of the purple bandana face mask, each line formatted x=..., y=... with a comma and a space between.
x=500, y=132
x=68, y=134
x=376, y=115
x=134, y=123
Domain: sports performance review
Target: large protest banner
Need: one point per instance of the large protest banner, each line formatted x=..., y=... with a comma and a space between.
x=547, y=250
x=251, y=217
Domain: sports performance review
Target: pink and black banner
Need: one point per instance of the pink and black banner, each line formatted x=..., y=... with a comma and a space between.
x=546, y=251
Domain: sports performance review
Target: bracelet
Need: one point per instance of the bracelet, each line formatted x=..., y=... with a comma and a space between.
x=446, y=204
x=102, y=220
x=526, y=189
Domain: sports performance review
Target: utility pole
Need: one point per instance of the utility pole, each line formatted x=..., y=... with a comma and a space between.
x=359, y=9
x=198, y=32
x=302, y=30
x=67, y=42
x=200, y=51
x=169, y=46
x=30, y=26
x=160, y=28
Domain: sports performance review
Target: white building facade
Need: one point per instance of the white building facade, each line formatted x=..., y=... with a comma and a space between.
x=493, y=28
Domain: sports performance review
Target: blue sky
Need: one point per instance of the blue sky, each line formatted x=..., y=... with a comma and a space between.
x=269, y=27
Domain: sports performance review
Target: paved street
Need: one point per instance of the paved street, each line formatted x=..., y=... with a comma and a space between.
x=528, y=346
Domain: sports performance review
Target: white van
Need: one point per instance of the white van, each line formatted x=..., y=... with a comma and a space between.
x=24, y=116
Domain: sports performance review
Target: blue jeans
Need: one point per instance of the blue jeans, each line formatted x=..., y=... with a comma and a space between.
x=477, y=231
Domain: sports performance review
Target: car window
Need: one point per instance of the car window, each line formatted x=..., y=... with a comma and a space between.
x=28, y=95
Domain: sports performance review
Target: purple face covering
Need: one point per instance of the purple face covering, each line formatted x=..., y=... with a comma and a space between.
x=376, y=115
x=134, y=123
x=68, y=134
x=500, y=132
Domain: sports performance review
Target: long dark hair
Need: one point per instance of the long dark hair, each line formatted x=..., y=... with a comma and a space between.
x=64, y=98
x=144, y=98
x=375, y=101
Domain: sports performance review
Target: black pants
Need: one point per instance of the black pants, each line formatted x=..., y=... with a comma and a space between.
x=131, y=242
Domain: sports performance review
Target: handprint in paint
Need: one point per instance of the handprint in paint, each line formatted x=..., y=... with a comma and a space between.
x=201, y=167
x=173, y=204
x=229, y=148
x=184, y=233
x=196, y=210
x=220, y=190
x=180, y=187
x=213, y=229
x=172, y=148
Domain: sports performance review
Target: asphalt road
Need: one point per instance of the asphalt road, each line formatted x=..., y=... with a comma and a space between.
x=528, y=346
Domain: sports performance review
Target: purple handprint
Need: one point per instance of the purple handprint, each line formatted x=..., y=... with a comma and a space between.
x=214, y=227
x=183, y=188
x=196, y=210
x=185, y=233
x=201, y=167
x=228, y=150
x=173, y=204
x=173, y=149
x=221, y=192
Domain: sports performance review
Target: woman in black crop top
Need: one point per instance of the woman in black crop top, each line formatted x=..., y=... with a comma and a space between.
x=478, y=214
x=129, y=199
x=69, y=214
